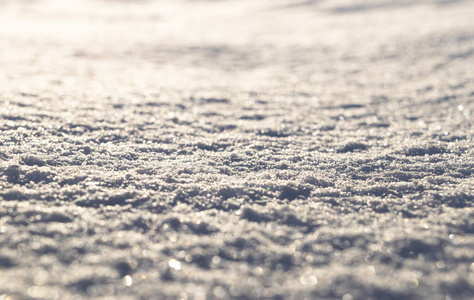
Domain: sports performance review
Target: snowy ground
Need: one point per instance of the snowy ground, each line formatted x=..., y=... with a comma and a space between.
x=236, y=149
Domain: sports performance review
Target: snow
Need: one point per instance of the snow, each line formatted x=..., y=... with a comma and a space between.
x=236, y=149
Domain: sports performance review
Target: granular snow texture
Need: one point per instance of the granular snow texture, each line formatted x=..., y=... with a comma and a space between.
x=236, y=149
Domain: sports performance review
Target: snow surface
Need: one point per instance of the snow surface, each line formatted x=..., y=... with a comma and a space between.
x=236, y=149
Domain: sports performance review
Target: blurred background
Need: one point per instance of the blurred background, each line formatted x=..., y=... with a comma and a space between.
x=322, y=50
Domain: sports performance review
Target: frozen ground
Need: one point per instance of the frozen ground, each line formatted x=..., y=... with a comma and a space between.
x=236, y=149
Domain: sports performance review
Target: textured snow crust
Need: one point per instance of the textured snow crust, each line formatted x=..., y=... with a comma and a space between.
x=236, y=149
